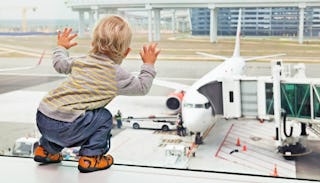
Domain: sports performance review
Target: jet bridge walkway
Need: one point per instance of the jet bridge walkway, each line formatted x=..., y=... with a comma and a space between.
x=252, y=97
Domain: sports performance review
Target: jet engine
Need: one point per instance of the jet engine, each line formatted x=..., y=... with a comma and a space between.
x=174, y=101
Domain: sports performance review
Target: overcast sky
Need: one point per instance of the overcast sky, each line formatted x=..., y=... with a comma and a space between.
x=46, y=9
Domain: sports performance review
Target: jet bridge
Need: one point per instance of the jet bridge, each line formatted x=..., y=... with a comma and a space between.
x=277, y=97
x=252, y=97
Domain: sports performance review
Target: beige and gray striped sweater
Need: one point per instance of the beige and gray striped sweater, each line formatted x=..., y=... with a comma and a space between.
x=93, y=81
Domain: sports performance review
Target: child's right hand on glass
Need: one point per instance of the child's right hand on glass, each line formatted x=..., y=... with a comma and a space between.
x=64, y=38
x=149, y=53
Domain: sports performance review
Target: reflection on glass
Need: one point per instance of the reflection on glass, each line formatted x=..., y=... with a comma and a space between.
x=22, y=85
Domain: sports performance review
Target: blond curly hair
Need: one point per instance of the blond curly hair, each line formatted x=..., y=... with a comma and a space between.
x=112, y=37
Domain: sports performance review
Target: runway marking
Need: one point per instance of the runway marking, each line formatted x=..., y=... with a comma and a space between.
x=5, y=52
x=259, y=155
x=224, y=139
x=13, y=82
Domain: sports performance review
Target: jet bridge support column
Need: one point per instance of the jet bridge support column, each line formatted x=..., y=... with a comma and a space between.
x=277, y=101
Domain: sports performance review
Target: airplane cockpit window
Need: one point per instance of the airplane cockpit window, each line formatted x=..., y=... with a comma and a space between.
x=188, y=105
x=236, y=128
x=207, y=105
x=199, y=106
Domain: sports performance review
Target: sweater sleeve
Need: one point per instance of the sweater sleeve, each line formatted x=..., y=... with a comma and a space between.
x=61, y=61
x=128, y=84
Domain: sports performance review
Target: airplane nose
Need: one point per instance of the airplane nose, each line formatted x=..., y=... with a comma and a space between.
x=194, y=121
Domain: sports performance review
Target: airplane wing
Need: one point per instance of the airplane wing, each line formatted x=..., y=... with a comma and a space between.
x=263, y=57
x=211, y=55
x=26, y=67
x=172, y=85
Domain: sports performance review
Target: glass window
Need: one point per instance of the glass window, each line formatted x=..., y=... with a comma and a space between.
x=231, y=96
x=199, y=106
x=28, y=33
x=316, y=102
x=295, y=99
x=187, y=105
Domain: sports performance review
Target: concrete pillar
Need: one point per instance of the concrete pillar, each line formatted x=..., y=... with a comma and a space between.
x=97, y=15
x=94, y=11
x=150, y=25
x=213, y=24
x=81, y=24
x=156, y=25
x=301, y=22
x=91, y=19
x=122, y=14
x=173, y=22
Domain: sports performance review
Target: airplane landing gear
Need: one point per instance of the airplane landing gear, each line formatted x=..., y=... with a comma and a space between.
x=198, y=139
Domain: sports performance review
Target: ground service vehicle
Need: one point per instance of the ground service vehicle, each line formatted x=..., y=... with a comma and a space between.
x=162, y=123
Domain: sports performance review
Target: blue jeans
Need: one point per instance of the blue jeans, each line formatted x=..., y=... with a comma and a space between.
x=91, y=131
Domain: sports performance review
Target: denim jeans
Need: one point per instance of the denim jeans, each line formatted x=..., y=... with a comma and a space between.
x=91, y=131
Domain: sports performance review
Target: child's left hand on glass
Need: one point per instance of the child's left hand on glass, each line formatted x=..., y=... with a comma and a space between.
x=65, y=38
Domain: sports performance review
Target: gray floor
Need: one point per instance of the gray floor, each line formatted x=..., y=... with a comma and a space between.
x=27, y=171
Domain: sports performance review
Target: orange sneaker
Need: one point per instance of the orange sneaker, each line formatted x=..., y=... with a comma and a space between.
x=42, y=156
x=95, y=163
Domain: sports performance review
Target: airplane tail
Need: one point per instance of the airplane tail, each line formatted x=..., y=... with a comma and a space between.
x=236, y=52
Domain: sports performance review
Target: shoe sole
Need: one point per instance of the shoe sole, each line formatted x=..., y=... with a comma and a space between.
x=88, y=170
x=40, y=159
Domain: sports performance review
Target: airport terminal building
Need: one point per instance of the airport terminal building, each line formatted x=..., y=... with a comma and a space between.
x=281, y=21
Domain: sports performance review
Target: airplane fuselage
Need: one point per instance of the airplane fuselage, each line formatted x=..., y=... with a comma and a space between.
x=196, y=109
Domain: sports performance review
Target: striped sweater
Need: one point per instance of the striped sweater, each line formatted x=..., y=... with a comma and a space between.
x=92, y=83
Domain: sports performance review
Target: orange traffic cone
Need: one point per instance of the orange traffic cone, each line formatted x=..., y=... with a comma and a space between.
x=244, y=148
x=238, y=142
x=275, y=171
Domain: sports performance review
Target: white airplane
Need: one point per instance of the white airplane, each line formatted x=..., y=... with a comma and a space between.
x=26, y=67
x=199, y=110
